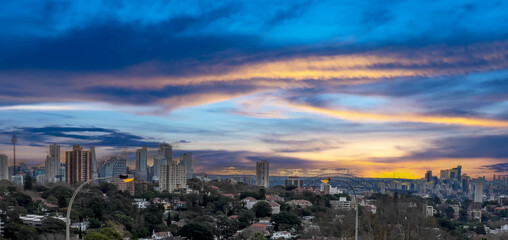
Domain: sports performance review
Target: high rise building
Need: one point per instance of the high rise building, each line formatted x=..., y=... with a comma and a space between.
x=4, y=167
x=52, y=163
x=478, y=192
x=163, y=157
x=428, y=176
x=114, y=166
x=456, y=173
x=262, y=173
x=166, y=150
x=172, y=177
x=78, y=165
x=158, y=161
x=141, y=163
x=186, y=160
x=444, y=174
x=95, y=173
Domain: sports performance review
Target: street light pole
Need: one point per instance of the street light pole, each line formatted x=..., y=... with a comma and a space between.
x=125, y=178
x=356, y=200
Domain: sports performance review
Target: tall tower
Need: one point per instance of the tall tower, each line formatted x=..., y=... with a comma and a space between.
x=14, y=140
x=141, y=163
x=52, y=163
x=262, y=173
x=78, y=165
x=478, y=192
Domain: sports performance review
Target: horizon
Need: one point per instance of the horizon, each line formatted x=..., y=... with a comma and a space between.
x=304, y=85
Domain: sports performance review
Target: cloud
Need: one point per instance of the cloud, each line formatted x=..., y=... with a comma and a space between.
x=307, y=145
x=359, y=116
x=498, y=168
x=460, y=147
x=93, y=136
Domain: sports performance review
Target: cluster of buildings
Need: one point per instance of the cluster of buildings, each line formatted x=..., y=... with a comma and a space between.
x=80, y=165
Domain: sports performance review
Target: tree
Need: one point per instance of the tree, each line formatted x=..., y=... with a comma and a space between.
x=52, y=225
x=27, y=185
x=286, y=220
x=196, y=231
x=262, y=209
x=262, y=193
x=245, y=218
x=104, y=234
x=257, y=236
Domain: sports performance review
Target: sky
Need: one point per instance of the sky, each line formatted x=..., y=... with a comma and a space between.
x=381, y=88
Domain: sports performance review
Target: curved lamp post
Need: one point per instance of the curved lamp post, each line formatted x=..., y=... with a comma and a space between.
x=124, y=177
x=356, y=200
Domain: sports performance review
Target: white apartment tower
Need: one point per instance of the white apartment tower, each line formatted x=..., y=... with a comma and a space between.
x=4, y=167
x=52, y=163
x=262, y=173
x=141, y=163
x=172, y=177
x=478, y=192
x=186, y=160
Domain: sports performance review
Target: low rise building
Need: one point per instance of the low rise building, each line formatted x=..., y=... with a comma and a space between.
x=300, y=203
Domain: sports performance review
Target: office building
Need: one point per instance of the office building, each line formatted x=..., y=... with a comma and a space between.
x=478, y=192
x=293, y=181
x=186, y=160
x=456, y=173
x=142, y=163
x=4, y=167
x=52, y=163
x=166, y=150
x=262, y=173
x=114, y=166
x=172, y=177
x=78, y=165
x=428, y=176
x=444, y=174
x=163, y=157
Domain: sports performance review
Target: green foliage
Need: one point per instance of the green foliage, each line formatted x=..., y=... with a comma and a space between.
x=262, y=209
x=286, y=220
x=245, y=217
x=20, y=198
x=257, y=236
x=40, y=188
x=19, y=231
x=27, y=185
x=196, y=231
x=262, y=193
x=104, y=234
x=52, y=225
x=94, y=223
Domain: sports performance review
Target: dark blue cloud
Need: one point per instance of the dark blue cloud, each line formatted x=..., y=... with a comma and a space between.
x=500, y=167
x=80, y=135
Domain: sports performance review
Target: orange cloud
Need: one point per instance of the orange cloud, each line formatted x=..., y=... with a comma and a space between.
x=358, y=116
x=338, y=69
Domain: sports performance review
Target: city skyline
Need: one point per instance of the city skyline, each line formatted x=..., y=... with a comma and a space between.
x=304, y=85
